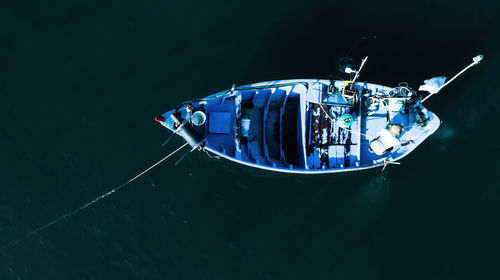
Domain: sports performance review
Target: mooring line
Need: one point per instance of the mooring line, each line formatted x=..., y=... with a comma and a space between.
x=69, y=214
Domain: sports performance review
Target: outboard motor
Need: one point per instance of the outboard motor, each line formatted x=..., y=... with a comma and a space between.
x=187, y=132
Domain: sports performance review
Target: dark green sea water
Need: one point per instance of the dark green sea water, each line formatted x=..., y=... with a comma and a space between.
x=80, y=83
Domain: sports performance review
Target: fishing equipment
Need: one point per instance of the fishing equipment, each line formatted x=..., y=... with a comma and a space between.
x=288, y=129
x=77, y=210
x=357, y=72
x=345, y=121
x=434, y=85
x=198, y=118
x=186, y=131
x=309, y=126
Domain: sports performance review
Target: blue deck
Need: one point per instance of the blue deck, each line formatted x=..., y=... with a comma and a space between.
x=293, y=125
x=219, y=131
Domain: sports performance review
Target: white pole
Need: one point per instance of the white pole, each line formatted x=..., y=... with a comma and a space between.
x=357, y=72
x=475, y=61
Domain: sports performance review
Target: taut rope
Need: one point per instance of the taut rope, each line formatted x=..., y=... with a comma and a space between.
x=69, y=214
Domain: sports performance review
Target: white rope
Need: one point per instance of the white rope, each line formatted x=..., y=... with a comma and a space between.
x=69, y=214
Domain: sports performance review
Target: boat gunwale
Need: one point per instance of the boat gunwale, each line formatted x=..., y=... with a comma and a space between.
x=380, y=162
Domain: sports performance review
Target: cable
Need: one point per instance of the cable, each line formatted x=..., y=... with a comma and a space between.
x=210, y=156
x=69, y=214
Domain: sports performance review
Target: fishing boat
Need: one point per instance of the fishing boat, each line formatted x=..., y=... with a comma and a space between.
x=309, y=126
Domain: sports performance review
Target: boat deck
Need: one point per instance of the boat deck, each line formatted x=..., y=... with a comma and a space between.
x=291, y=126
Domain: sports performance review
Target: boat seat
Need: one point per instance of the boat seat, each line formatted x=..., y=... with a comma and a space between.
x=219, y=123
x=383, y=143
x=291, y=130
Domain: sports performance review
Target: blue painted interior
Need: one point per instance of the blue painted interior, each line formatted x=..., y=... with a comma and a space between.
x=282, y=118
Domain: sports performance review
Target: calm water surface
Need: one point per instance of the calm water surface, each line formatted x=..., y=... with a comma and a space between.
x=81, y=82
